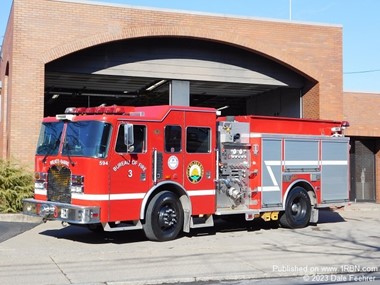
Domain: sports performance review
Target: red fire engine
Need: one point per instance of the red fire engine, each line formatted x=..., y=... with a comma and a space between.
x=167, y=169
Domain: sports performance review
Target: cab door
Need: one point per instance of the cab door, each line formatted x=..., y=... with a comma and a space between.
x=129, y=178
x=199, y=161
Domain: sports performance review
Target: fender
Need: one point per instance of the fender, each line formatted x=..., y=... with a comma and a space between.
x=184, y=197
x=299, y=181
x=314, y=212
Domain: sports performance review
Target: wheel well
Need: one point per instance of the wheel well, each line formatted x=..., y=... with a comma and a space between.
x=176, y=189
x=309, y=188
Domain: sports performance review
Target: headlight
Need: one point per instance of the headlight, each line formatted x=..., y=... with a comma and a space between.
x=76, y=189
x=77, y=184
x=39, y=185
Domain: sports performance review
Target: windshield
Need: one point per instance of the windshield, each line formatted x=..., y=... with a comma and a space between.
x=86, y=138
x=49, y=139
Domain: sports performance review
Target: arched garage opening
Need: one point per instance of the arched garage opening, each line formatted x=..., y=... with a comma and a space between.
x=140, y=72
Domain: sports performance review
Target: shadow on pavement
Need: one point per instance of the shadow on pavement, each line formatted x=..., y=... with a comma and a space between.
x=84, y=235
x=222, y=225
x=329, y=216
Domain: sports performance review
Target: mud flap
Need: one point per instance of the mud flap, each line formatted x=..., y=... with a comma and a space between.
x=186, y=221
x=314, y=215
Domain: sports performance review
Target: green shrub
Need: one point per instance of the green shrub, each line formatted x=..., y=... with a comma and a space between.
x=16, y=184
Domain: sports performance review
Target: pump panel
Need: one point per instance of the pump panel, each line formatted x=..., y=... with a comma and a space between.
x=234, y=163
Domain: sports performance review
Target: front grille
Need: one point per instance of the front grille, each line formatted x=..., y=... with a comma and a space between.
x=58, y=189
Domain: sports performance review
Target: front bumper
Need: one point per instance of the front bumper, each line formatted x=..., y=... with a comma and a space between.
x=61, y=211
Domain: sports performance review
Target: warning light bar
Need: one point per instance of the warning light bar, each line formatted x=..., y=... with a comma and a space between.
x=72, y=112
x=112, y=110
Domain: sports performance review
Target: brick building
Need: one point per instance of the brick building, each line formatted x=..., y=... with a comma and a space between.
x=59, y=53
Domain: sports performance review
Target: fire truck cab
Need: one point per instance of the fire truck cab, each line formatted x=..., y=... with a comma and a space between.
x=167, y=169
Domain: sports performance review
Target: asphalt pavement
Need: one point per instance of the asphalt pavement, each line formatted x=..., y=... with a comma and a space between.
x=12, y=225
x=11, y=229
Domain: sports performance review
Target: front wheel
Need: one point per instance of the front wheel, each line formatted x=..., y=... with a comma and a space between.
x=164, y=217
x=297, y=209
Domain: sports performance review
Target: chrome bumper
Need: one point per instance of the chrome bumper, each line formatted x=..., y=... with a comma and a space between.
x=60, y=211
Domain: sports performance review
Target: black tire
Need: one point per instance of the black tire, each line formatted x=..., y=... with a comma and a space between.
x=297, y=209
x=164, y=217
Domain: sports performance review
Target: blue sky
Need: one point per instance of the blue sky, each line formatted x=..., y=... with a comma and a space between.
x=359, y=18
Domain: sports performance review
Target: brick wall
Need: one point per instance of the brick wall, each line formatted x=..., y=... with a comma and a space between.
x=310, y=103
x=5, y=77
x=45, y=30
x=362, y=111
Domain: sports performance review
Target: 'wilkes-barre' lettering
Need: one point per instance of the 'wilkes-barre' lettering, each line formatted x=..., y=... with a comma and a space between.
x=59, y=161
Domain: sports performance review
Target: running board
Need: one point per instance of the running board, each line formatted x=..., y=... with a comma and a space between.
x=249, y=214
x=123, y=226
x=202, y=222
x=222, y=212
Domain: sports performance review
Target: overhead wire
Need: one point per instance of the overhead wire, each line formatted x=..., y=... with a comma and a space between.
x=362, y=71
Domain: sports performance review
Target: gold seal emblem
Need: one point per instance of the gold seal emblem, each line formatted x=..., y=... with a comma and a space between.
x=194, y=171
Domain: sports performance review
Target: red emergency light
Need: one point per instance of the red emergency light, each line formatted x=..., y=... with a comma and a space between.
x=345, y=124
x=112, y=110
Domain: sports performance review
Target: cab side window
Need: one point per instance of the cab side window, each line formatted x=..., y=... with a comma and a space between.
x=173, y=138
x=139, y=133
x=198, y=140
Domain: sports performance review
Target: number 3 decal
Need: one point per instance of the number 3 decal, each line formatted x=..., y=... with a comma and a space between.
x=130, y=173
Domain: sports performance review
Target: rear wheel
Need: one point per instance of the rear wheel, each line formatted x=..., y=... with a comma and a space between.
x=297, y=209
x=164, y=217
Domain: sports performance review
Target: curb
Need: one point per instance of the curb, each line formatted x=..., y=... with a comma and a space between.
x=19, y=218
x=361, y=206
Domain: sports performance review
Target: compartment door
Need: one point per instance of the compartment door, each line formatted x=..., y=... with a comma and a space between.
x=335, y=171
x=271, y=176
